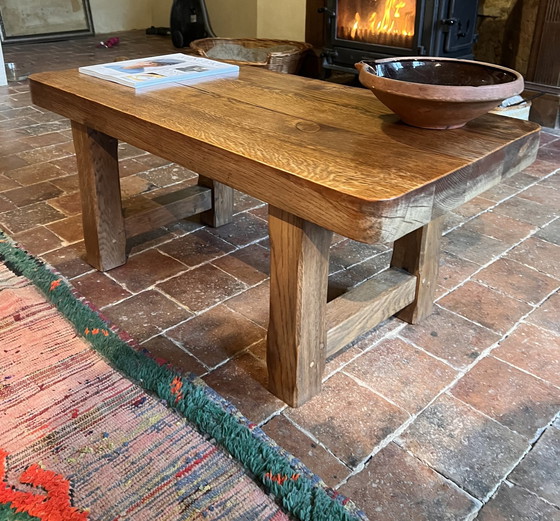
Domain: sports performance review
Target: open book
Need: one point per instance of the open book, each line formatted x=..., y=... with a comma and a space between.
x=156, y=70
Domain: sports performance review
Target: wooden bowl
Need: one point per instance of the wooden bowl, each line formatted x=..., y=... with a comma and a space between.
x=439, y=93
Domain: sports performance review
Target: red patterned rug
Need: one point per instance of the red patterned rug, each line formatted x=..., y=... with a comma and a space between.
x=92, y=444
x=80, y=441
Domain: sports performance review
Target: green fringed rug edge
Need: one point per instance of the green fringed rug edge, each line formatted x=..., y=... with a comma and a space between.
x=300, y=492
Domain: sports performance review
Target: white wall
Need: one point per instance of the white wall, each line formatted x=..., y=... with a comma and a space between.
x=3, y=80
x=161, y=11
x=282, y=19
x=233, y=18
x=112, y=16
x=228, y=18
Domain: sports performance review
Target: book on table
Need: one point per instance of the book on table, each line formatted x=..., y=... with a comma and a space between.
x=157, y=70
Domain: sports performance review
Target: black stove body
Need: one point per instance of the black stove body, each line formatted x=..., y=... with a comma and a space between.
x=358, y=30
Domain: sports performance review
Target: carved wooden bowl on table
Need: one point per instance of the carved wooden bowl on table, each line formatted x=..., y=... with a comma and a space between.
x=439, y=93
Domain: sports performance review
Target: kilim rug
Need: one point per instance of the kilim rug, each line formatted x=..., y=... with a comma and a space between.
x=92, y=428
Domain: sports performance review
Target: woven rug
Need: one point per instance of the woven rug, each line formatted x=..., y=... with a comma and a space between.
x=92, y=428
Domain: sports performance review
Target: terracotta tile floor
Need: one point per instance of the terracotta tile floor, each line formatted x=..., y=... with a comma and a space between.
x=451, y=419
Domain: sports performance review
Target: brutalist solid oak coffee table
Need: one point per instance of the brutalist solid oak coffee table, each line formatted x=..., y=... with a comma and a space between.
x=325, y=157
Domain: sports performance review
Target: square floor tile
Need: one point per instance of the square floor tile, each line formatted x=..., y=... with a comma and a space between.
x=533, y=349
x=539, y=471
x=202, y=287
x=315, y=457
x=401, y=373
x=517, y=280
x=395, y=486
x=348, y=418
x=216, y=335
x=512, y=502
x=464, y=445
x=485, y=306
x=449, y=336
x=516, y=399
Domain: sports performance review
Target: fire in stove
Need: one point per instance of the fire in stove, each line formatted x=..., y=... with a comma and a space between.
x=357, y=30
x=381, y=22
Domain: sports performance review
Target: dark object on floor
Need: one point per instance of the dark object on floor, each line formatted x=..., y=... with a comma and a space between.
x=110, y=42
x=189, y=21
x=161, y=31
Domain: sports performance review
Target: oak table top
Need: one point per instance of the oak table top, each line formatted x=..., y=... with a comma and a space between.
x=352, y=166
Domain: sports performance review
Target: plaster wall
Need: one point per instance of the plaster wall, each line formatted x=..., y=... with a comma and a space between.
x=110, y=16
x=161, y=10
x=233, y=18
x=229, y=18
x=284, y=20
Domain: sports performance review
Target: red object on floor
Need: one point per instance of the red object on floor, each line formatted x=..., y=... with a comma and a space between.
x=110, y=42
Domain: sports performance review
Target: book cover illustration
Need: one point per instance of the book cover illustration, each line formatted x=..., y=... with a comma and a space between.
x=158, y=70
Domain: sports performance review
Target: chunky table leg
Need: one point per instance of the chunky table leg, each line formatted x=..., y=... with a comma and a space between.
x=222, y=203
x=418, y=253
x=299, y=269
x=98, y=171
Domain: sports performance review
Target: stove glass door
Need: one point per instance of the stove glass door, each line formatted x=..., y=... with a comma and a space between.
x=381, y=22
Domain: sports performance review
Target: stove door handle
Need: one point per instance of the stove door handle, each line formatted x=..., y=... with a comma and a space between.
x=329, y=12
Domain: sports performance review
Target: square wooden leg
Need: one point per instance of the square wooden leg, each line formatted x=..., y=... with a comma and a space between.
x=418, y=253
x=299, y=268
x=98, y=171
x=222, y=203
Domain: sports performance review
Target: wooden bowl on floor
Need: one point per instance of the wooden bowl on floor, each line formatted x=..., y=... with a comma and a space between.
x=439, y=93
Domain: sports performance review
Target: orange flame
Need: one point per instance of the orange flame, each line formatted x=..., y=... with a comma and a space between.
x=356, y=25
x=393, y=20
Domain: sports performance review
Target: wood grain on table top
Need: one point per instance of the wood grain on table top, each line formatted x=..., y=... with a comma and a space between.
x=336, y=145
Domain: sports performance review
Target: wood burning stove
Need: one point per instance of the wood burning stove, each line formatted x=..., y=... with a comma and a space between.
x=358, y=30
